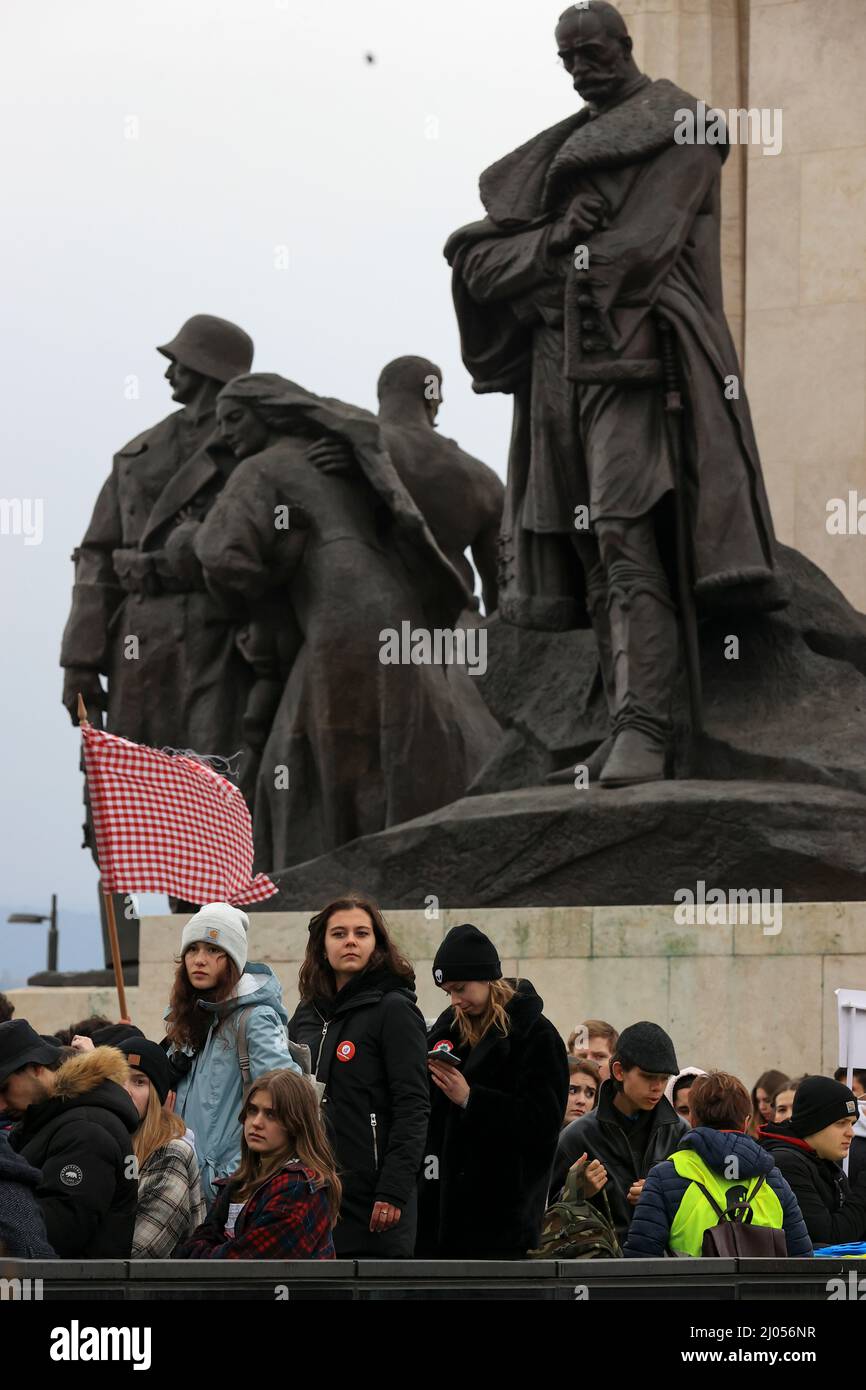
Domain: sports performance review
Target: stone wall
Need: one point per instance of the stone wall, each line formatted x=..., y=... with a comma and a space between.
x=731, y=996
x=793, y=239
x=806, y=273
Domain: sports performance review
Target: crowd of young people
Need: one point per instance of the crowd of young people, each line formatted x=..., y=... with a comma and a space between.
x=359, y=1128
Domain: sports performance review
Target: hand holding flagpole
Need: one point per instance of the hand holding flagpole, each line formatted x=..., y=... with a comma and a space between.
x=108, y=899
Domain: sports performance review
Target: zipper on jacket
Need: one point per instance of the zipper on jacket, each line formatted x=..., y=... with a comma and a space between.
x=375, y=1142
x=326, y=1023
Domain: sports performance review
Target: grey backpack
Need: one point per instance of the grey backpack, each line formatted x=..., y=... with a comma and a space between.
x=299, y=1052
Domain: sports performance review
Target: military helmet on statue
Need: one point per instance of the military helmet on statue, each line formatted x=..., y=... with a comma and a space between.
x=212, y=346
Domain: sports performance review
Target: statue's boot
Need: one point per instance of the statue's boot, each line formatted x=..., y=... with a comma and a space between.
x=644, y=648
x=594, y=764
x=596, y=602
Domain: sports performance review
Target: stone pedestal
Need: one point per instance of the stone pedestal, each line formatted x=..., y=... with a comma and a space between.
x=731, y=996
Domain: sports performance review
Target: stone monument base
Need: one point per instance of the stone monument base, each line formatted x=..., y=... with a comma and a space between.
x=81, y=979
x=559, y=846
x=731, y=996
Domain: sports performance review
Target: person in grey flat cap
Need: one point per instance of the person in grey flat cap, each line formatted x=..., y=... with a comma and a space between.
x=632, y=1127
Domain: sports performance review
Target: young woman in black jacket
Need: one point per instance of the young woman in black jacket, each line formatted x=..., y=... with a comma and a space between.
x=368, y=1043
x=495, y=1119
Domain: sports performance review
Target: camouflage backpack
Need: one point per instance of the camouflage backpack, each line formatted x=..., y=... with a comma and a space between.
x=574, y=1229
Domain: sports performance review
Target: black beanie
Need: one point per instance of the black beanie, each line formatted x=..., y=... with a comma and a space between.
x=148, y=1057
x=113, y=1033
x=820, y=1101
x=466, y=954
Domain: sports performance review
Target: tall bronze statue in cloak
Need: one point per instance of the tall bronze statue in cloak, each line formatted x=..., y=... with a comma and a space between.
x=594, y=229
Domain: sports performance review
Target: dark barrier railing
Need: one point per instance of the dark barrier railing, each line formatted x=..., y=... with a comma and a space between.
x=551, y=1280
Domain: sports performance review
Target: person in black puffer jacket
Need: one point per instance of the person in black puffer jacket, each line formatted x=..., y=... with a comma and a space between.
x=22, y=1229
x=76, y=1127
x=808, y=1150
x=494, y=1120
x=368, y=1044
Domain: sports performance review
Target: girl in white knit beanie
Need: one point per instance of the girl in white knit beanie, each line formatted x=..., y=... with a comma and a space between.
x=216, y=989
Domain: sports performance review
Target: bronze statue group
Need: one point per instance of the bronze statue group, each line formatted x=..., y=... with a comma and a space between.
x=243, y=561
x=248, y=551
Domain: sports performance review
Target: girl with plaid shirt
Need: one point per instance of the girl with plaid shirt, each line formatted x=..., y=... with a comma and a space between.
x=170, y=1202
x=283, y=1201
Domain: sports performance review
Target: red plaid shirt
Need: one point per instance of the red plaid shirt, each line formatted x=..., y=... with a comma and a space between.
x=286, y=1219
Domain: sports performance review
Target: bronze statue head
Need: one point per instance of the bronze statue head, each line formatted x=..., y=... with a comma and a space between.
x=596, y=50
x=410, y=383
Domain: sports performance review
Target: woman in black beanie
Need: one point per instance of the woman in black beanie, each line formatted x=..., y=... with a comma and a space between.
x=808, y=1150
x=495, y=1119
x=170, y=1202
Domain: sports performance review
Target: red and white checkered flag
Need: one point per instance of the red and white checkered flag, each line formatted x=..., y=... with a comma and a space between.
x=168, y=823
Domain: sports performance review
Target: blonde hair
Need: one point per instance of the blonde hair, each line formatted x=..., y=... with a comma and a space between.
x=471, y=1030
x=157, y=1129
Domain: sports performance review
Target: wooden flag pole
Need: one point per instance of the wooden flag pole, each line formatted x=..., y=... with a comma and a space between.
x=108, y=900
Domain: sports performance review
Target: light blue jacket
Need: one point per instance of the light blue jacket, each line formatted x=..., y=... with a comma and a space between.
x=209, y=1097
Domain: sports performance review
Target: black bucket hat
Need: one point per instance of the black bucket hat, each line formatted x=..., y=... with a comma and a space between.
x=21, y=1045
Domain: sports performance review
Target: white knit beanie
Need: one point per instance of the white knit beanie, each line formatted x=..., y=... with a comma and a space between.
x=219, y=924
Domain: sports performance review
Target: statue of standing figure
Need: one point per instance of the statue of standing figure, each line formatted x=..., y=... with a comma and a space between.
x=141, y=615
x=602, y=234
x=459, y=497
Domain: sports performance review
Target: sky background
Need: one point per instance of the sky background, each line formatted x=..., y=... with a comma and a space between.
x=163, y=158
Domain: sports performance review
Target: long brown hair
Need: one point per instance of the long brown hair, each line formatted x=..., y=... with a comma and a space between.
x=769, y=1082
x=188, y=1025
x=157, y=1129
x=471, y=1030
x=316, y=979
x=296, y=1106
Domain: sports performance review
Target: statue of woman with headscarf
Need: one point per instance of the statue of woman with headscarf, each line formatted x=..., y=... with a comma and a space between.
x=356, y=745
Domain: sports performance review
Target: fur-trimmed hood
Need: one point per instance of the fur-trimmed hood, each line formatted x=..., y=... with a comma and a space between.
x=84, y=1072
x=526, y=184
x=86, y=1086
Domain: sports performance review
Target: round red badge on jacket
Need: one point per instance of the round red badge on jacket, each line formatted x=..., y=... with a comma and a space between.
x=444, y=1046
x=345, y=1051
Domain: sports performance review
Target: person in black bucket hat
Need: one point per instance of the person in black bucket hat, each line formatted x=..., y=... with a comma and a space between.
x=632, y=1127
x=24, y=1055
x=494, y=1118
x=808, y=1150
x=21, y=1046
x=75, y=1128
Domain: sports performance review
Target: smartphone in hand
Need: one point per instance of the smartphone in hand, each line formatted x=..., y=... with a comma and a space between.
x=442, y=1054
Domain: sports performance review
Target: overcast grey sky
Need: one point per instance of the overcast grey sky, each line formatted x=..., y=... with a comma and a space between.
x=157, y=155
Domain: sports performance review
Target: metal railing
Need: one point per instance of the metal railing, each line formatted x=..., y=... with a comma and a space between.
x=548, y=1280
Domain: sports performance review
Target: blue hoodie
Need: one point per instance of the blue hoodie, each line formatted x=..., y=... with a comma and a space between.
x=654, y=1214
x=209, y=1097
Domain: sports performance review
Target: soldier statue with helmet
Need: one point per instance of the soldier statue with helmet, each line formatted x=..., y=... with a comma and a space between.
x=141, y=616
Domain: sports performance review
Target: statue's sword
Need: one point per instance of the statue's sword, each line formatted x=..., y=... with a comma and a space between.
x=685, y=568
